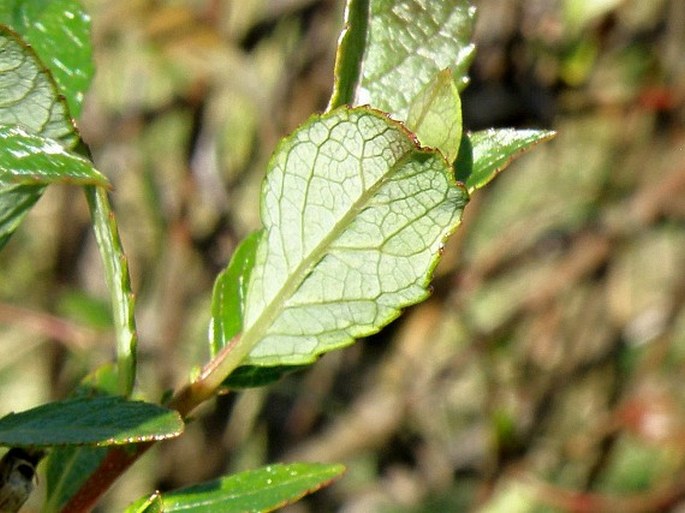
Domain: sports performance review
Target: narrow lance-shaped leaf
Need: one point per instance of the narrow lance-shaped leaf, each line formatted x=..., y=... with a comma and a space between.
x=104, y=420
x=119, y=284
x=350, y=53
x=408, y=44
x=484, y=154
x=228, y=296
x=254, y=491
x=354, y=214
x=435, y=115
x=59, y=32
x=30, y=159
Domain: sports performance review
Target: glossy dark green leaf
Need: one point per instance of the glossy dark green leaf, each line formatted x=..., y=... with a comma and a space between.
x=409, y=42
x=59, y=32
x=228, y=297
x=100, y=421
x=255, y=491
x=484, y=154
x=29, y=159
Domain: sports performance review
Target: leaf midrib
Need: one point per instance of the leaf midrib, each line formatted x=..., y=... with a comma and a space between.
x=270, y=313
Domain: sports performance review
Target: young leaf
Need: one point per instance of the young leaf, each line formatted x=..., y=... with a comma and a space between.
x=254, y=491
x=484, y=154
x=59, y=32
x=435, y=115
x=354, y=214
x=409, y=43
x=228, y=297
x=350, y=52
x=104, y=420
x=35, y=160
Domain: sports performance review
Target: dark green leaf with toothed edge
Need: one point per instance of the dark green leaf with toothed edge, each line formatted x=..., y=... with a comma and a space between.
x=484, y=154
x=59, y=32
x=409, y=43
x=355, y=214
x=254, y=491
x=104, y=420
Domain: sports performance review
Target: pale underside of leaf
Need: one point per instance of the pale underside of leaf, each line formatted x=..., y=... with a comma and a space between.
x=354, y=215
x=29, y=96
x=409, y=43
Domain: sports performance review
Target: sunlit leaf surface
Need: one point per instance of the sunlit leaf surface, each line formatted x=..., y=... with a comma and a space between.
x=254, y=491
x=354, y=214
x=409, y=43
x=104, y=420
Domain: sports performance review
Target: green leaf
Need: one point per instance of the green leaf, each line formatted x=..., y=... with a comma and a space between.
x=409, y=43
x=29, y=97
x=29, y=159
x=355, y=214
x=100, y=421
x=69, y=467
x=15, y=203
x=435, y=115
x=484, y=154
x=350, y=52
x=59, y=32
x=251, y=376
x=254, y=491
x=119, y=284
x=151, y=504
x=228, y=297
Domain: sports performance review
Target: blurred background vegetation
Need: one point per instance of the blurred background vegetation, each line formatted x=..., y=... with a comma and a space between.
x=543, y=375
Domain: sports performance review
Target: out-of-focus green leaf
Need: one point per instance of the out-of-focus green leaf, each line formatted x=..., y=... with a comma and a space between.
x=254, y=491
x=29, y=97
x=484, y=154
x=435, y=115
x=354, y=215
x=228, y=297
x=30, y=159
x=59, y=32
x=69, y=467
x=409, y=43
x=101, y=421
x=15, y=203
x=250, y=376
x=350, y=52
